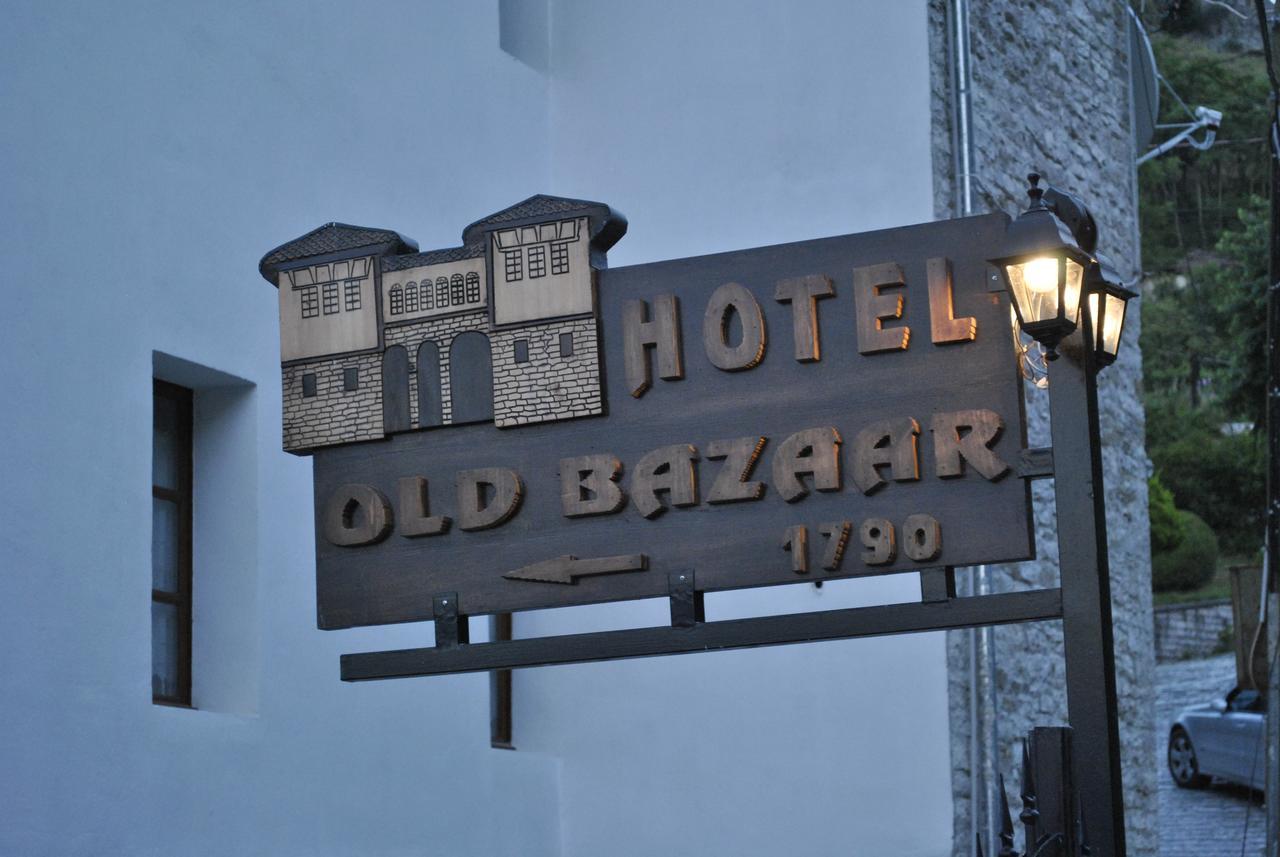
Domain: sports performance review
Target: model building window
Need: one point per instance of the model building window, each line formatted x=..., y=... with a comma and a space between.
x=513, y=263
x=309, y=385
x=411, y=297
x=171, y=544
x=537, y=262
x=442, y=292
x=352, y=294
x=455, y=290
x=350, y=379
x=310, y=303
x=473, y=288
x=521, y=351
x=566, y=345
x=330, y=298
x=397, y=300
x=428, y=297
x=559, y=258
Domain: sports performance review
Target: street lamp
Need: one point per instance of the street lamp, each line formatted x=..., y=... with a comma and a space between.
x=1045, y=254
x=1107, y=301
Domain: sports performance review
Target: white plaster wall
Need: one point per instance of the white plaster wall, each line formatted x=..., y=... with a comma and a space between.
x=150, y=153
x=715, y=126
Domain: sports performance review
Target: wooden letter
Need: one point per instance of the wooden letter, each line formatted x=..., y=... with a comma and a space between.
x=797, y=542
x=890, y=443
x=670, y=470
x=487, y=497
x=729, y=300
x=961, y=436
x=415, y=510
x=588, y=485
x=837, y=533
x=877, y=537
x=357, y=515
x=662, y=334
x=873, y=308
x=921, y=538
x=946, y=328
x=740, y=455
x=803, y=293
x=813, y=452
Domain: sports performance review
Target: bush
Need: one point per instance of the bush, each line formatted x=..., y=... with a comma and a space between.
x=1192, y=563
x=1167, y=531
x=1221, y=479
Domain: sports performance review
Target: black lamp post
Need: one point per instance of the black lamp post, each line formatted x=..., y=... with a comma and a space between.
x=1045, y=255
x=1048, y=267
x=1106, y=304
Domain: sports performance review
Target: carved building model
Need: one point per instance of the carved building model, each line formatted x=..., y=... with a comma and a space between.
x=377, y=338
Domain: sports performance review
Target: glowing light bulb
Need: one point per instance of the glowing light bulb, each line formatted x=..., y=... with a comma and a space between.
x=1041, y=275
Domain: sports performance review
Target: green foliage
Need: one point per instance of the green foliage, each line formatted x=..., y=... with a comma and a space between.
x=1221, y=479
x=1166, y=527
x=1203, y=350
x=1192, y=563
x=1189, y=197
x=1238, y=290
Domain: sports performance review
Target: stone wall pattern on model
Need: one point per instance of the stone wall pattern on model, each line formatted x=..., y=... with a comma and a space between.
x=441, y=331
x=547, y=386
x=333, y=414
x=1063, y=110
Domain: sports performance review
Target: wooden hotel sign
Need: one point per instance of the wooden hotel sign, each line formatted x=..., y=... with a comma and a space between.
x=513, y=424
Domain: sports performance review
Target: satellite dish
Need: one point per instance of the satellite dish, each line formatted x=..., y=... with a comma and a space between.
x=1144, y=82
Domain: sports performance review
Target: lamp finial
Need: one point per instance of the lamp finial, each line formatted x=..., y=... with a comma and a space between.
x=1035, y=191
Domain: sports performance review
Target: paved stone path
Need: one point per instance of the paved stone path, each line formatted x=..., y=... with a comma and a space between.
x=1208, y=823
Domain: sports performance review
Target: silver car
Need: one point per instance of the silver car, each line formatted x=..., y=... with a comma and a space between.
x=1223, y=738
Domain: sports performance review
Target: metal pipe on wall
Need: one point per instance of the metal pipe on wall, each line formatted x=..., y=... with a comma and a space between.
x=983, y=732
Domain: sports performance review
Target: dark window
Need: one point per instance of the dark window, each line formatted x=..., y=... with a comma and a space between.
x=310, y=302
x=395, y=389
x=559, y=258
x=537, y=261
x=308, y=385
x=455, y=290
x=330, y=298
x=411, y=297
x=353, y=294
x=430, y=407
x=171, y=544
x=566, y=345
x=471, y=378
x=512, y=258
x=397, y=300
x=522, y=351
x=473, y=288
x=442, y=292
x=350, y=379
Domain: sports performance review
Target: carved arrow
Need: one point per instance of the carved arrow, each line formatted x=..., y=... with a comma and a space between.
x=567, y=569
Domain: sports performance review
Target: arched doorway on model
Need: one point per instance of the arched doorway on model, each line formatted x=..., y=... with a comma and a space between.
x=470, y=378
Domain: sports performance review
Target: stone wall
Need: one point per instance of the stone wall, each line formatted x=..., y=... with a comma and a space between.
x=1192, y=630
x=1050, y=92
x=333, y=414
x=441, y=331
x=547, y=386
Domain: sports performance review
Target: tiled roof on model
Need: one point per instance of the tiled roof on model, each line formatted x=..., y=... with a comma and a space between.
x=398, y=252
x=333, y=238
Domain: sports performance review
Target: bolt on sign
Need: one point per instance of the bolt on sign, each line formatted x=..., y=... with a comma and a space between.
x=514, y=424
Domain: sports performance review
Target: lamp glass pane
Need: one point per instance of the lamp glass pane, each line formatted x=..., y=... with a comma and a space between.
x=1035, y=288
x=1071, y=291
x=1112, y=325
